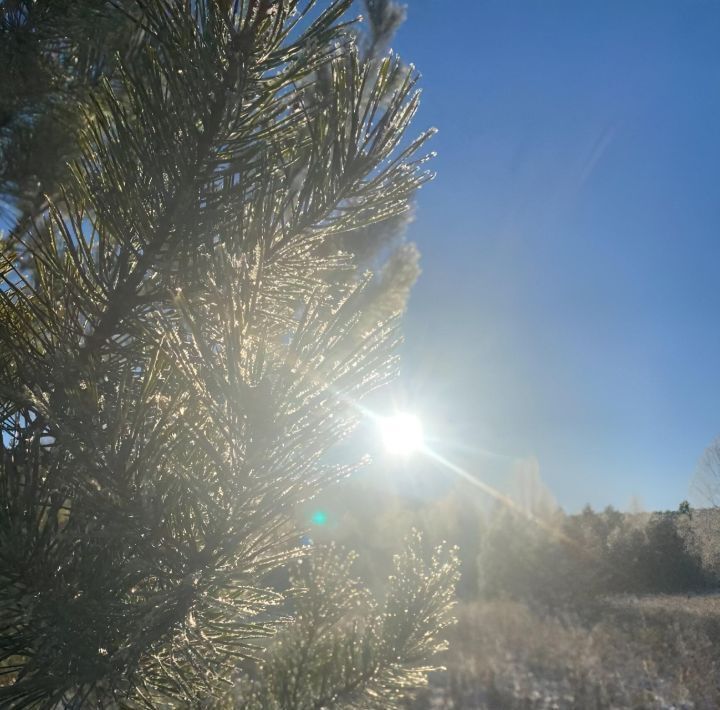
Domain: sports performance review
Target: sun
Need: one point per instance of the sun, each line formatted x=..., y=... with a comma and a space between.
x=401, y=433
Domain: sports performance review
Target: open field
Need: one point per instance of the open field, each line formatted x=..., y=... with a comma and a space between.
x=701, y=605
x=655, y=652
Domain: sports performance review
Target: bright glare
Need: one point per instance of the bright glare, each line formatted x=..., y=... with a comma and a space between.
x=402, y=434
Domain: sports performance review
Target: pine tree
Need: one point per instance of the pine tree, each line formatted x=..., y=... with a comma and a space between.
x=52, y=53
x=345, y=648
x=185, y=338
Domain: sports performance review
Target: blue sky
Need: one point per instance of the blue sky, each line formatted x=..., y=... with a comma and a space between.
x=570, y=300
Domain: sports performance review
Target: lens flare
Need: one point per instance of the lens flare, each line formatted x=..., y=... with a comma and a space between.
x=319, y=518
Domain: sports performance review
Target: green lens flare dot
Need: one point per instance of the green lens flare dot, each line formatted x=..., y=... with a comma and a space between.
x=319, y=517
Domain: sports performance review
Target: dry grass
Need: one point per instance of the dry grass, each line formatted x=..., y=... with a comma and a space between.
x=702, y=605
x=645, y=653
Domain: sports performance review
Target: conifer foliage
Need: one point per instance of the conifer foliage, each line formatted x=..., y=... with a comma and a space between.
x=181, y=344
x=346, y=648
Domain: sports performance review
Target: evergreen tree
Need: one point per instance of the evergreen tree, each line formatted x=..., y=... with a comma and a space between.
x=55, y=54
x=346, y=648
x=52, y=53
x=185, y=338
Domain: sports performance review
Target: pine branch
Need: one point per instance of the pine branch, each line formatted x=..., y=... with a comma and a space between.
x=186, y=350
x=346, y=650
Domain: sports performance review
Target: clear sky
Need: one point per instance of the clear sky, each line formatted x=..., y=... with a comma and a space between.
x=570, y=300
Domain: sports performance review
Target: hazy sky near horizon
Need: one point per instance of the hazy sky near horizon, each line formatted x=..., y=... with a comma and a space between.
x=570, y=301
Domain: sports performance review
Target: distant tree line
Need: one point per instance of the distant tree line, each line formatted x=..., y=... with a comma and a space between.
x=553, y=559
x=572, y=558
